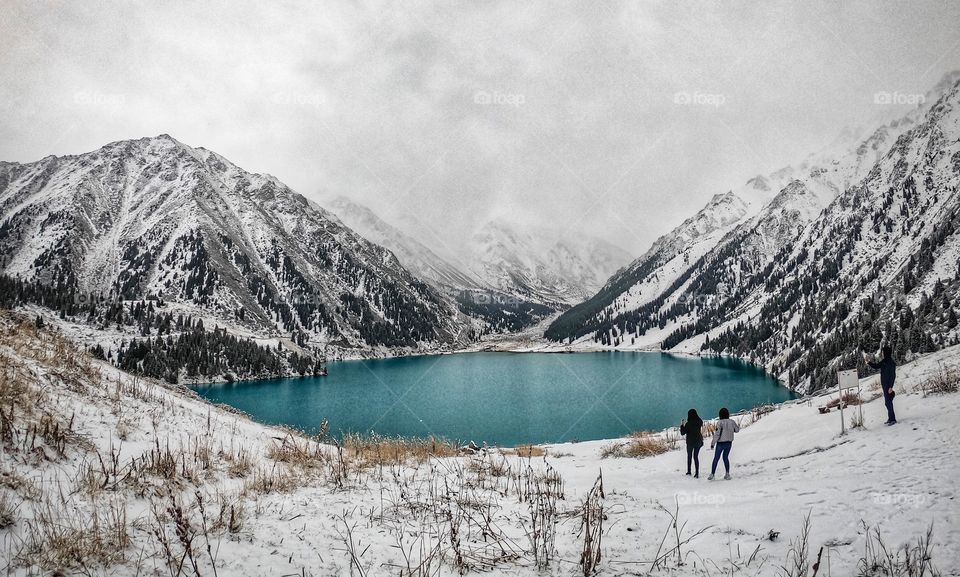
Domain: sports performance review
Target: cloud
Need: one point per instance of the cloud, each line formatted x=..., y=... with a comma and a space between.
x=563, y=114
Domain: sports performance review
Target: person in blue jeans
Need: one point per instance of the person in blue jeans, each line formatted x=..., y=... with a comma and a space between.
x=723, y=442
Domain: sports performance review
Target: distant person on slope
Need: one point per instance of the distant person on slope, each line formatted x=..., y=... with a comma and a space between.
x=723, y=441
x=888, y=375
x=691, y=428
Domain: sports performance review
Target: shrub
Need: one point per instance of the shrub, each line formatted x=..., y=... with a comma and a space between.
x=946, y=380
x=641, y=444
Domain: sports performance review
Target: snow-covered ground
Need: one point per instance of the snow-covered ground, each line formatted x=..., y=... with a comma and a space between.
x=266, y=515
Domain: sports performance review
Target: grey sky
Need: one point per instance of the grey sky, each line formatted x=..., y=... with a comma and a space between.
x=613, y=118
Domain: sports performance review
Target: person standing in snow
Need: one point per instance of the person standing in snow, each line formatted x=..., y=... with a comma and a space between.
x=691, y=429
x=888, y=375
x=723, y=442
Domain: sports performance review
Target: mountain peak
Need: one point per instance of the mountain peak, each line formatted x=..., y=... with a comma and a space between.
x=153, y=216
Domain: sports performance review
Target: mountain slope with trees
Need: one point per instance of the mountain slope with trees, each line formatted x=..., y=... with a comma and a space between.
x=154, y=218
x=852, y=254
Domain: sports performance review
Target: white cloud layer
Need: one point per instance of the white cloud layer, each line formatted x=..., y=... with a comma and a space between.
x=612, y=118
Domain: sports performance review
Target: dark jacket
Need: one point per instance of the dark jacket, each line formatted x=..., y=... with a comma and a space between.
x=693, y=431
x=888, y=373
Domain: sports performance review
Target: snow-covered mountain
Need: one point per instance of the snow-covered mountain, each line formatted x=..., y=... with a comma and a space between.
x=417, y=257
x=856, y=247
x=507, y=277
x=542, y=265
x=157, y=217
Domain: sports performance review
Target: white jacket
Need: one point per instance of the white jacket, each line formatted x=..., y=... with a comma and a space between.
x=724, y=431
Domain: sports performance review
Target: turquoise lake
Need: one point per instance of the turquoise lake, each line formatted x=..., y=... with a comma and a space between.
x=505, y=398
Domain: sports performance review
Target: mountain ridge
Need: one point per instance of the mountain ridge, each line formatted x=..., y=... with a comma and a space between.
x=153, y=216
x=720, y=303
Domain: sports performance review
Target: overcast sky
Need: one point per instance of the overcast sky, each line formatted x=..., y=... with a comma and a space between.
x=612, y=118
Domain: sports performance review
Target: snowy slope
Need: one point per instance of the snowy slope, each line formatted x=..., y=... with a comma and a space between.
x=240, y=487
x=155, y=216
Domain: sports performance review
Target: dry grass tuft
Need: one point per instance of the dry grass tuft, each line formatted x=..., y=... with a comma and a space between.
x=760, y=412
x=527, y=451
x=266, y=480
x=709, y=428
x=296, y=450
x=376, y=451
x=946, y=380
x=641, y=444
x=911, y=559
x=239, y=461
x=9, y=511
x=63, y=535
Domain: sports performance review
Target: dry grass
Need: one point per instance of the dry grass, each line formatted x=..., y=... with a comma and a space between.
x=759, y=412
x=527, y=451
x=591, y=528
x=60, y=535
x=709, y=428
x=375, y=451
x=912, y=559
x=486, y=465
x=355, y=454
x=849, y=400
x=641, y=444
x=946, y=380
x=9, y=511
x=297, y=450
x=856, y=420
x=239, y=461
x=274, y=479
x=29, y=423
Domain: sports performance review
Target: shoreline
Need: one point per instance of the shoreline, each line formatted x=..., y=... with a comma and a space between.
x=554, y=351
x=662, y=430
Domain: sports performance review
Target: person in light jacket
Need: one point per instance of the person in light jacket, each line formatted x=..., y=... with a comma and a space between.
x=723, y=442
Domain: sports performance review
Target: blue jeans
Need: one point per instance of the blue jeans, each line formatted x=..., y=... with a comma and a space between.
x=888, y=401
x=723, y=449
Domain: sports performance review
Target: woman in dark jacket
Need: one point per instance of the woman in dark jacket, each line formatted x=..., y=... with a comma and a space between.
x=691, y=428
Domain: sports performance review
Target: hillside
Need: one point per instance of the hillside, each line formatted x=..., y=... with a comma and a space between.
x=105, y=473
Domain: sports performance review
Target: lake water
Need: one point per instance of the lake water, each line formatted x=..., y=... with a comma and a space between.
x=505, y=398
